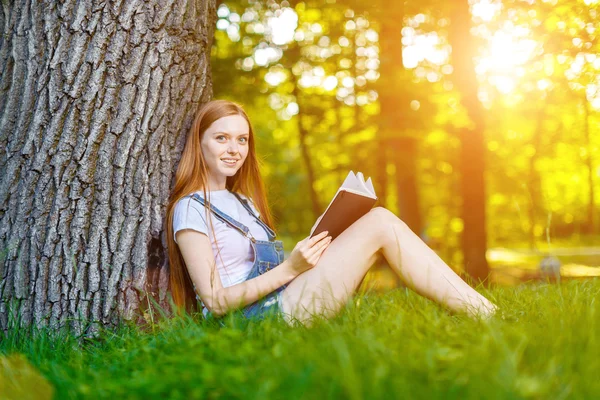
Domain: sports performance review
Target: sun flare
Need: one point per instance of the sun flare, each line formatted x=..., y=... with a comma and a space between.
x=504, y=59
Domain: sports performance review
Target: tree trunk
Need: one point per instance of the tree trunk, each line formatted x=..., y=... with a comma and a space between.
x=405, y=161
x=589, y=164
x=474, y=238
x=396, y=142
x=304, y=148
x=310, y=172
x=95, y=101
x=534, y=179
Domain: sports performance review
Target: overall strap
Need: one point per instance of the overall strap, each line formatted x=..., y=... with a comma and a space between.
x=243, y=229
x=244, y=202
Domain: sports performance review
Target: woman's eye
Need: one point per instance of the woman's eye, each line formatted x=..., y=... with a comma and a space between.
x=244, y=140
x=220, y=137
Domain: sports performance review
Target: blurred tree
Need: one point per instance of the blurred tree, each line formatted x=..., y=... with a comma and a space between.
x=314, y=82
x=399, y=126
x=557, y=86
x=374, y=87
x=474, y=236
x=589, y=163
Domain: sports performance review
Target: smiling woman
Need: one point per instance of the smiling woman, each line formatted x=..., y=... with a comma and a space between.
x=223, y=251
x=225, y=148
x=217, y=171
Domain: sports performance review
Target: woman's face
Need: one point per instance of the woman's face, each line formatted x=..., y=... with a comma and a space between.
x=225, y=148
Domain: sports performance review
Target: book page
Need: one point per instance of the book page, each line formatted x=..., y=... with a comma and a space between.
x=369, y=184
x=366, y=187
x=351, y=182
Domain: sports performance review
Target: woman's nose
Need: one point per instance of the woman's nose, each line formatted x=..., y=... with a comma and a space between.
x=232, y=148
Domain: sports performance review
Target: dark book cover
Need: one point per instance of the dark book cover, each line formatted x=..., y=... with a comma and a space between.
x=346, y=208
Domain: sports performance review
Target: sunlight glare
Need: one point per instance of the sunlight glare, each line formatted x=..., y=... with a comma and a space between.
x=504, y=84
x=486, y=9
x=506, y=55
x=274, y=78
x=421, y=47
x=223, y=11
x=283, y=26
x=543, y=84
x=267, y=55
x=330, y=83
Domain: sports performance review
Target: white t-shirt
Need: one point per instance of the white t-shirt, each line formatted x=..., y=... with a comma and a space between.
x=236, y=255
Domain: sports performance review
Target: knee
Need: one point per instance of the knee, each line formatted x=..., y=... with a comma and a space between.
x=384, y=218
x=381, y=212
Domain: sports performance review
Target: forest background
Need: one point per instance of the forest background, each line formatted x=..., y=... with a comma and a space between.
x=498, y=157
x=477, y=120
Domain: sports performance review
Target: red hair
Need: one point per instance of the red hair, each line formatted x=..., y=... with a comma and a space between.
x=192, y=176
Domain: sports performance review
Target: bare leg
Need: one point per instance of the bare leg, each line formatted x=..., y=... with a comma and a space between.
x=325, y=288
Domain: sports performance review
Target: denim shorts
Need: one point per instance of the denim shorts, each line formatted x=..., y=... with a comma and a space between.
x=267, y=305
x=268, y=255
x=270, y=305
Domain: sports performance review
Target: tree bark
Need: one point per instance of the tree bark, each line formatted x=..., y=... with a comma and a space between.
x=474, y=237
x=95, y=100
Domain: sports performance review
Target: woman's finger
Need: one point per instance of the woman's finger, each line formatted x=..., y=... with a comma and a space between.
x=322, y=244
x=316, y=238
x=317, y=256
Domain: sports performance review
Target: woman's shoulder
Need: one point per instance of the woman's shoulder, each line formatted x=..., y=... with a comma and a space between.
x=183, y=205
x=187, y=199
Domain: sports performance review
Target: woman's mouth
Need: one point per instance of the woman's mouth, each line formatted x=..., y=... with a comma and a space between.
x=229, y=161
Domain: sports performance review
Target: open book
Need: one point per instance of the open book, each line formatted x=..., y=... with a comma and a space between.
x=352, y=200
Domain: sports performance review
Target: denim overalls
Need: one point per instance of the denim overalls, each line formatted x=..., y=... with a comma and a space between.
x=267, y=255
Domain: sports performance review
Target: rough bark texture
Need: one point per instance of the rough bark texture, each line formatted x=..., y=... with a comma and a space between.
x=474, y=237
x=95, y=99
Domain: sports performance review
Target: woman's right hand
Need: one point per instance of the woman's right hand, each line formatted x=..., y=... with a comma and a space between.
x=308, y=251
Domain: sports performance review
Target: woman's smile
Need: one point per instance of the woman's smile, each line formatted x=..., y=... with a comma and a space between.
x=230, y=161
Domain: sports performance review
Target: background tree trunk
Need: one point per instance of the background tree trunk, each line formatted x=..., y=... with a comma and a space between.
x=534, y=179
x=396, y=143
x=474, y=237
x=589, y=164
x=305, y=151
x=95, y=100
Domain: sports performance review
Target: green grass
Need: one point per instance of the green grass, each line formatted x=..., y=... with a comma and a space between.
x=391, y=345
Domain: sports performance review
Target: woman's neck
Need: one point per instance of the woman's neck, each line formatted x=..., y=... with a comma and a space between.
x=215, y=186
x=208, y=190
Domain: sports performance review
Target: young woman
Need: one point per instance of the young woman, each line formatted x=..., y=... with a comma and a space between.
x=222, y=246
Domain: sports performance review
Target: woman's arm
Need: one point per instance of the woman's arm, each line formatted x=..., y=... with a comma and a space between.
x=197, y=253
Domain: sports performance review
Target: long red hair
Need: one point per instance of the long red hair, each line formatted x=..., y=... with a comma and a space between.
x=192, y=176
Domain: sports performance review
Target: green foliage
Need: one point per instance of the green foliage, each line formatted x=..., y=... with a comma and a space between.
x=397, y=345
x=538, y=85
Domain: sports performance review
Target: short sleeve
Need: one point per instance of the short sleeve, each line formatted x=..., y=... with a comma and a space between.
x=189, y=214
